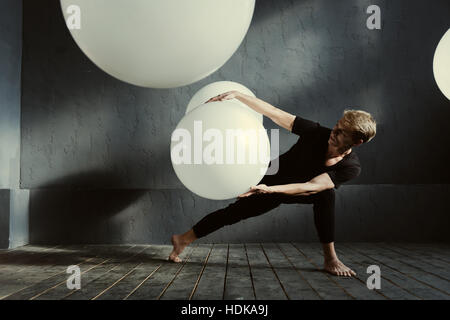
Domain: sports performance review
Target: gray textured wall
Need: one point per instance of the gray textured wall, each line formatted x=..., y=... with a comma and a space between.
x=363, y=213
x=4, y=218
x=14, y=223
x=84, y=130
x=10, y=68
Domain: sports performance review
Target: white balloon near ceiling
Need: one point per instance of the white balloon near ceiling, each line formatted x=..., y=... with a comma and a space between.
x=441, y=64
x=159, y=43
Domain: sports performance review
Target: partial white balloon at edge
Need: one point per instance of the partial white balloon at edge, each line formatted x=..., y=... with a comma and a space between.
x=160, y=43
x=441, y=64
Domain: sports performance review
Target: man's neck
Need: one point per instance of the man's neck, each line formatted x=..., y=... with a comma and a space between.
x=334, y=152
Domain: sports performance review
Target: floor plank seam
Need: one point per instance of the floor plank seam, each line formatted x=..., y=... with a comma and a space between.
x=176, y=274
x=275, y=273
x=201, y=273
x=250, y=269
x=299, y=272
x=226, y=272
x=142, y=282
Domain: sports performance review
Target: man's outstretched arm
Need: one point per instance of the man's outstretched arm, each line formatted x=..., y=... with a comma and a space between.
x=282, y=118
x=318, y=184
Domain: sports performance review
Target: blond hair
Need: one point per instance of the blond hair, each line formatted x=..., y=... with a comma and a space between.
x=361, y=124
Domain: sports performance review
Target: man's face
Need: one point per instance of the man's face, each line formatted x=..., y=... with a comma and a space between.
x=340, y=137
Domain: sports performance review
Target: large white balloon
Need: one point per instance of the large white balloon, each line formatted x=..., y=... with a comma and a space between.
x=216, y=88
x=159, y=43
x=441, y=65
x=208, y=158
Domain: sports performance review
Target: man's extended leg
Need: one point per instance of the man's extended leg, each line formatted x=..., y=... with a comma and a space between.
x=243, y=208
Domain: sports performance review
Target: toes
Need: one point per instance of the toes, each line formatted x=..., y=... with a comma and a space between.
x=174, y=259
x=341, y=271
x=351, y=273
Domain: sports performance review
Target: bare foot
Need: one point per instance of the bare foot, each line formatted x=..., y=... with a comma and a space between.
x=178, y=247
x=337, y=268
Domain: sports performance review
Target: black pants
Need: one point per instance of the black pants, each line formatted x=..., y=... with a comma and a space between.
x=257, y=204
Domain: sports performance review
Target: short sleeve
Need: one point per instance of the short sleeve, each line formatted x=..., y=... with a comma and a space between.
x=344, y=173
x=303, y=125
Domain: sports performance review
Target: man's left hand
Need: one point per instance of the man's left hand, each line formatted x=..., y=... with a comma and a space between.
x=262, y=188
x=225, y=96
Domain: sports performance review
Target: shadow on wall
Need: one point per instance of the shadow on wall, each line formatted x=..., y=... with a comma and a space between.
x=74, y=215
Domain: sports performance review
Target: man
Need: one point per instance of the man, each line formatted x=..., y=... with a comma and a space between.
x=320, y=161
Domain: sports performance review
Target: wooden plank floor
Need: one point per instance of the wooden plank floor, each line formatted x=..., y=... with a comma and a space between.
x=253, y=271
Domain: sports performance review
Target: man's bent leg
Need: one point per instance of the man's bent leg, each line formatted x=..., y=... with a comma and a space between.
x=324, y=207
x=324, y=220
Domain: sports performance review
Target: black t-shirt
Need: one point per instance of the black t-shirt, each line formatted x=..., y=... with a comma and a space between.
x=306, y=159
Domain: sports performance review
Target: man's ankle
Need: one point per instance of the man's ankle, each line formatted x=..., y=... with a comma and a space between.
x=190, y=236
x=331, y=259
